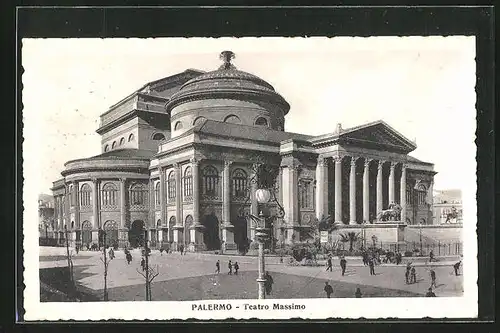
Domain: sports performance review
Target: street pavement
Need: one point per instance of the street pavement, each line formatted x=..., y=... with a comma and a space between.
x=194, y=273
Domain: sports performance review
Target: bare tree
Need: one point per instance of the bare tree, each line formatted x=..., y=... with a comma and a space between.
x=149, y=275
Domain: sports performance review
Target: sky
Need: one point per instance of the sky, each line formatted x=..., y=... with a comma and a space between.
x=421, y=86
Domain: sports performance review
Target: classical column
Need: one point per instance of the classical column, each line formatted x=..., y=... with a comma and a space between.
x=75, y=205
x=197, y=228
x=338, y=189
x=320, y=187
x=391, y=183
x=122, y=232
x=254, y=205
x=366, y=191
x=379, y=187
x=402, y=192
x=352, y=192
x=163, y=196
x=95, y=210
x=178, y=233
x=228, y=227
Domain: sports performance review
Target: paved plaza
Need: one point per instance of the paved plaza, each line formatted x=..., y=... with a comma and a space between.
x=192, y=277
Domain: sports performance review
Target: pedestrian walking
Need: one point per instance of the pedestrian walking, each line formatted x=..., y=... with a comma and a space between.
x=328, y=289
x=358, y=293
x=430, y=293
x=366, y=258
x=343, y=265
x=230, y=267
x=407, y=274
x=431, y=256
x=329, y=264
x=77, y=249
x=456, y=267
x=181, y=249
x=372, y=266
x=128, y=256
x=217, y=267
x=268, y=283
x=143, y=264
x=161, y=250
x=399, y=258
x=413, y=274
x=433, y=278
x=236, y=267
x=111, y=254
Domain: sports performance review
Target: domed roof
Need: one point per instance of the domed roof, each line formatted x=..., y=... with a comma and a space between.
x=227, y=82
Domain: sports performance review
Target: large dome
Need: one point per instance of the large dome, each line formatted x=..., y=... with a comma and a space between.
x=228, y=82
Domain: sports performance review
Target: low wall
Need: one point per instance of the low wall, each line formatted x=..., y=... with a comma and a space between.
x=387, y=232
x=434, y=234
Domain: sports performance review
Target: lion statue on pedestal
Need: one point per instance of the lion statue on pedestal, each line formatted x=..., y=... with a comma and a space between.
x=393, y=213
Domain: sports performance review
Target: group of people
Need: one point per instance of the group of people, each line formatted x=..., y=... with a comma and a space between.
x=329, y=291
x=230, y=267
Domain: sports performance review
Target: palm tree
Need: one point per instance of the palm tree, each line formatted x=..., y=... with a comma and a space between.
x=349, y=237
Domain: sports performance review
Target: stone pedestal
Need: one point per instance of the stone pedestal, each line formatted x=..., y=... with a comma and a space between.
x=196, y=233
x=178, y=237
x=228, y=238
x=123, y=238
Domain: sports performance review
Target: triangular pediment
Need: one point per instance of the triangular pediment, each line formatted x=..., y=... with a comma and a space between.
x=377, y=135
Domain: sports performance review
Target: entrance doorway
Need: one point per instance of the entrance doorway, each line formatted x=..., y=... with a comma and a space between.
x=240, y=234
x=211, y=232
x=136, y=234
x=86, y=233
x=111, y=230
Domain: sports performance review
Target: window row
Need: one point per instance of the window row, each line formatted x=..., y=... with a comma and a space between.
x=209, y=184
x=233, y=119
x=138, y=195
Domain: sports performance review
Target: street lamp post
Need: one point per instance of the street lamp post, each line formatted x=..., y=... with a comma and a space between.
x=420, y=231
x=261, y=235
x=146, y=255
x=67, y=253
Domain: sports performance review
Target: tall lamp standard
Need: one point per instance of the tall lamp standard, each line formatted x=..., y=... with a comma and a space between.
x=420, y=229
x=265, y=176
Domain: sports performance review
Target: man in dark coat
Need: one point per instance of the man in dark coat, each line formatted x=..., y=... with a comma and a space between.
x=268, y=284
x=456, y=267
x=328, y=290
x=430, y=293
x=343, y=265
x=236, y=267
x=372, y=266
x=329, y=264
x=433, y=278
x=217, y=267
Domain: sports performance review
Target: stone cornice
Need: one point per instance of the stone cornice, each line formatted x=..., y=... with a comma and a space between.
x=228, y=93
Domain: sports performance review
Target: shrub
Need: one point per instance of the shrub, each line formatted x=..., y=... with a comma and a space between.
x=408, y=254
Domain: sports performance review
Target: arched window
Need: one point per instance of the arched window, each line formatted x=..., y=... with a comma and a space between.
x=113, y=146
x=138, y=195
x=157, y=194
x=188, y=182
x=239, y=183
x=106, y=148
x=232, y=119
x=261, y=121
x=198, y=120
x=131, y=137
x=305, y=194
x=178, y=126
x=158, y=137
x=171, y=185
x=109, y=194
x=210, y=180
x=85, y=195
x=188, y=223
x=122, y=141
x=71, y=199
x=421, y=193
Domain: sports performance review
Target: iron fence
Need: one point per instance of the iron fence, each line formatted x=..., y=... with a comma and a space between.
x=424, y=249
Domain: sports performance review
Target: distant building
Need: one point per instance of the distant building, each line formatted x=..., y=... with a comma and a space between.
x=447, y=208
x=45, y=215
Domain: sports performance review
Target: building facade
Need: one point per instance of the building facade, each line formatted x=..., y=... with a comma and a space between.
x=177, y=156
x=447, y=208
